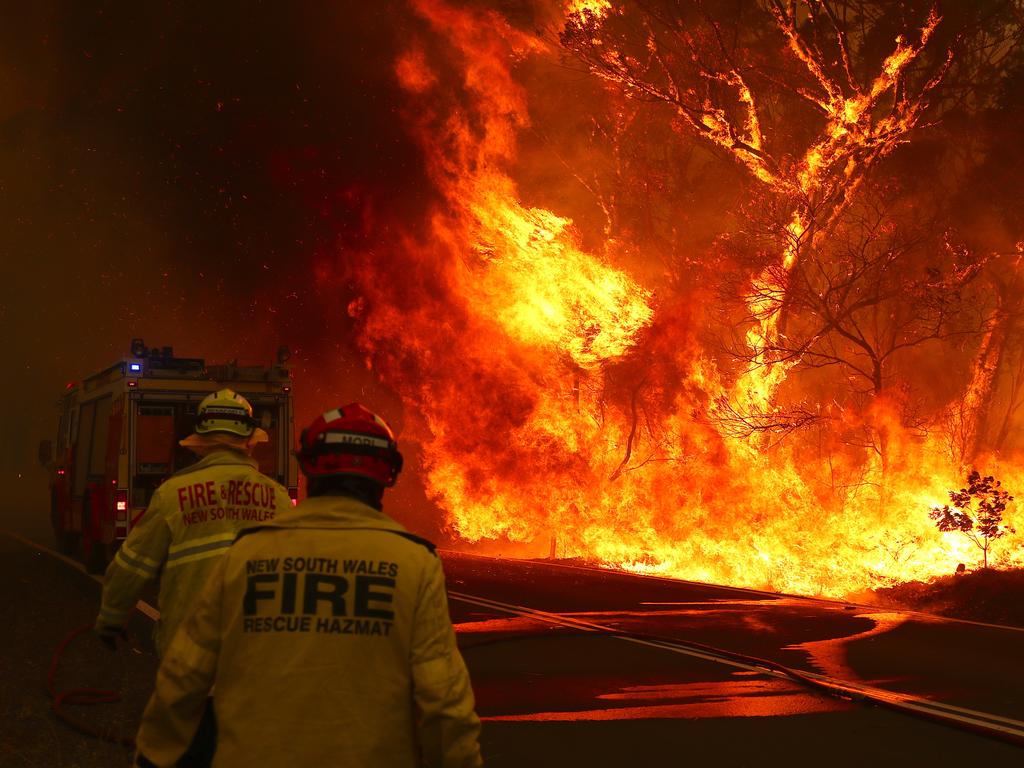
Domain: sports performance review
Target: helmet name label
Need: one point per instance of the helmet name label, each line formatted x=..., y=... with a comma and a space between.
x=234, y=412
x=352, y=438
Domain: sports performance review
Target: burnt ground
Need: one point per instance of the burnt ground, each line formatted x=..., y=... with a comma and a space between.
x=991, y=596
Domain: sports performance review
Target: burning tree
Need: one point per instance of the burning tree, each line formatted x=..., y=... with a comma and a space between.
x=878, y=289
x=553, y=324
x=726, y=81
x=880, y=294
x=981, y=525
x=999, y=333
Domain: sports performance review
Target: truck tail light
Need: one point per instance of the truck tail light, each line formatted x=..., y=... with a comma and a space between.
x=121, y=513
x=293, y=494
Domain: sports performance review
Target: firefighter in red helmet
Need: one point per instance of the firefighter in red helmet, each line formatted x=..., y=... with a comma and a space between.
x=327, y=633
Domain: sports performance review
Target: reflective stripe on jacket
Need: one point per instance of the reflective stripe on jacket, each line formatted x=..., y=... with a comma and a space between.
x=327, y=639
x=190, y=522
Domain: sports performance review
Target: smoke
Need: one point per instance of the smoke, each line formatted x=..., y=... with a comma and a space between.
x=182, y=175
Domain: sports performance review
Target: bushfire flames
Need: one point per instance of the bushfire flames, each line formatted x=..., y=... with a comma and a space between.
x=557, y=394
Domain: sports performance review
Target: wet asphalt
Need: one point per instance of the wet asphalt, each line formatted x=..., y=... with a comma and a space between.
x=580, y=667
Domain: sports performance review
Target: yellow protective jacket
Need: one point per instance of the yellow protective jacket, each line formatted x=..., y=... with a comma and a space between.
x=327, y=641
x=190, y=522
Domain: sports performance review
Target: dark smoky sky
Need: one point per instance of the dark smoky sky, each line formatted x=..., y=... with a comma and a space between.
x=187, y=173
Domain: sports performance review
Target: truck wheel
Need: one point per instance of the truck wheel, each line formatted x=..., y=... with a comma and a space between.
x=94, y=553
x=67, y=541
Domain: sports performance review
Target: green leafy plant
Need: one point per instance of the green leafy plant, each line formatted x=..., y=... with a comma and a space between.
x=976, y=512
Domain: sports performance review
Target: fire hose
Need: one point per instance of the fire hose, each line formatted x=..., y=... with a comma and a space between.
x=81, y=696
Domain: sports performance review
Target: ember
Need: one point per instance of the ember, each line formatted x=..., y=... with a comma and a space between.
x=756, y=406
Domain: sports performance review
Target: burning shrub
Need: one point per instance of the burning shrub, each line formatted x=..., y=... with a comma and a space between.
x=982, y=525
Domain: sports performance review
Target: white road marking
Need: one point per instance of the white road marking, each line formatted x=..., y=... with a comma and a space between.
x=933, y=709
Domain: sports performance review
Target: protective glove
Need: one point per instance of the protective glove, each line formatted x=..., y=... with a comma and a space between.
x=108, y=635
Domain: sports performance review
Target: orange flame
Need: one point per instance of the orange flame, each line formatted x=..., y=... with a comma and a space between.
x=501, y=331
x=597, y=8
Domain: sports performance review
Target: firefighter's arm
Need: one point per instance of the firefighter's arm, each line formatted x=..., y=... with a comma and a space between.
x=448, y=726
x=139, y=560
x=184, y=680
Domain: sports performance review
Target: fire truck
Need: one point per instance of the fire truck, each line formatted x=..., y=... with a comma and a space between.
x=118, y=433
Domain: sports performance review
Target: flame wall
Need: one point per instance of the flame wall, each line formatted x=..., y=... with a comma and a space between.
x=559, y=385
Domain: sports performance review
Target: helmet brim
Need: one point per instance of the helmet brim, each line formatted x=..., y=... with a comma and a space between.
x=213, y=439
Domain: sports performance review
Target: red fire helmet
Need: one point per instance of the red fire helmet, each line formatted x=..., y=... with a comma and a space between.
x=350, y=440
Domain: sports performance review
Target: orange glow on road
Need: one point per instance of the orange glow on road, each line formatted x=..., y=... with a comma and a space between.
x=694, y=701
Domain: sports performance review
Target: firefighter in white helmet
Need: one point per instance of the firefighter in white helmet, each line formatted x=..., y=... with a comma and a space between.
x=326, y=633
x=191, y=520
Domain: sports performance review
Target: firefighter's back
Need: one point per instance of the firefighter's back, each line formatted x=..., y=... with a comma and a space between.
x=317, y=640
x=203, y=508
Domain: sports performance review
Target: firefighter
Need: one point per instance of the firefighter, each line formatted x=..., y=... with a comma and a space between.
x=191, y=520
x=327, y=633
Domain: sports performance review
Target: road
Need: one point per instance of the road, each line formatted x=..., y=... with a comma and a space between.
x=602, y=666
x=583, y=667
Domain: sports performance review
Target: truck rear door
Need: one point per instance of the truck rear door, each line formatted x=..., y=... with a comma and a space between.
x=158, y=425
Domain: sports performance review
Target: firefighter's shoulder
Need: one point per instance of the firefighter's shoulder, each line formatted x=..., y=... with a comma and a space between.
x=425, y=543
